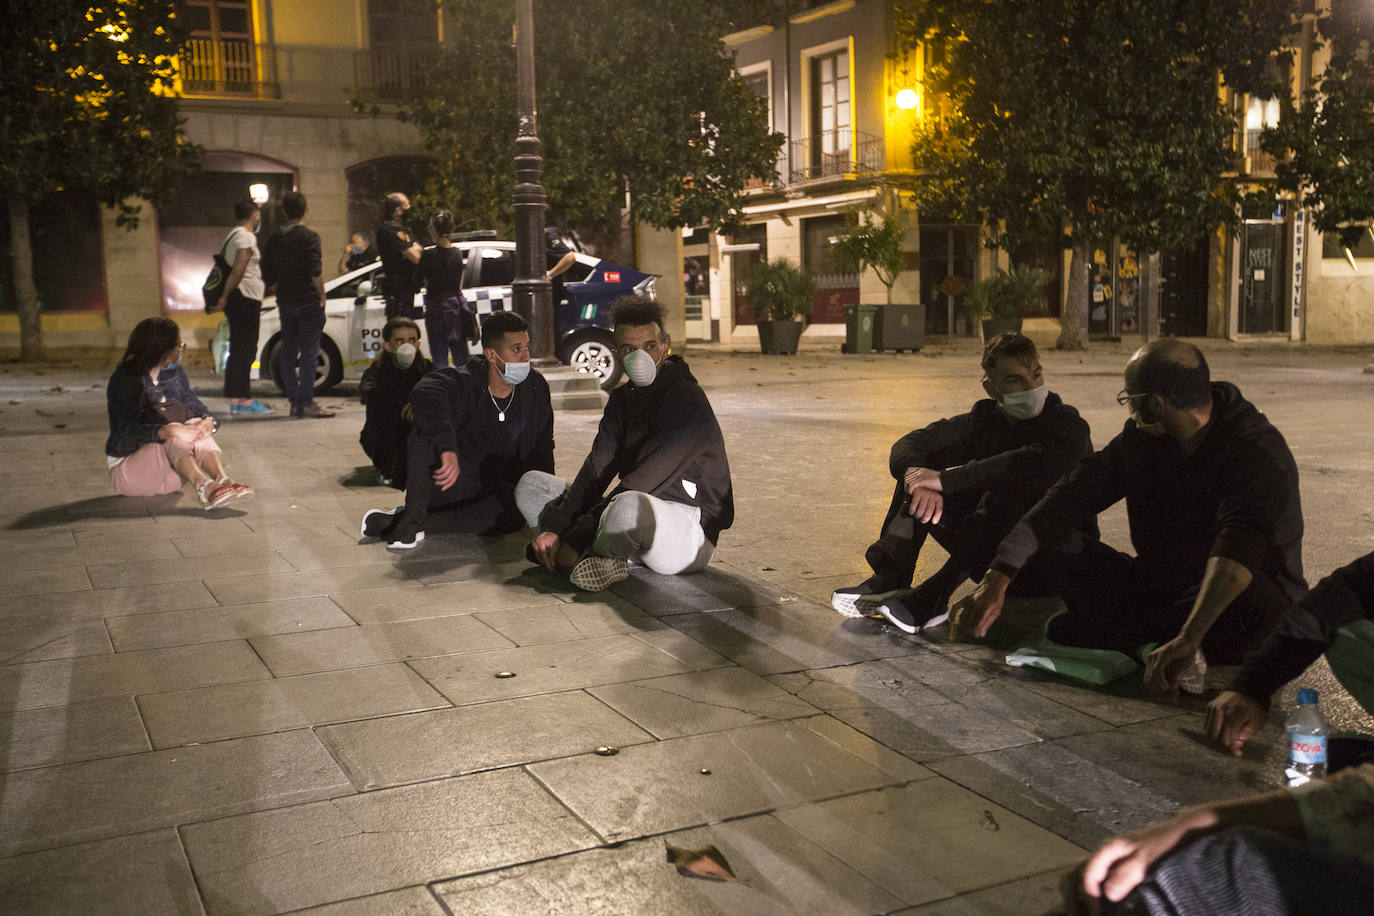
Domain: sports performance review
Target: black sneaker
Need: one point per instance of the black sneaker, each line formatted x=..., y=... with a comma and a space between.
x=405, y=536
x=861, y=600
x=913, y=612
x=377, y=522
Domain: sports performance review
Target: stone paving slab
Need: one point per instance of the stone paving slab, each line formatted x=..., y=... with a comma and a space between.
x=53, y=683
x=391, y=839
x=547, y=668
x=709, y=590
x=1036, y=894
x=39, y=557
x=451, y=742
x=144, y=873
x=441, y=600
x=72, y=802
x=930, y=839
x=780, y=872
x=43, y=610
x=567, y=620
x=284, y=703
x=700, y=702
x=356, y=646
x=654, y=788
x=185, y=628
x=64, y=734
x=409, y=901
x=40, y=642
x=256, y=589
x=23, y=582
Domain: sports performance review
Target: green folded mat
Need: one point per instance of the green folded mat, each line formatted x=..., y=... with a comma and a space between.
x=1091, y=666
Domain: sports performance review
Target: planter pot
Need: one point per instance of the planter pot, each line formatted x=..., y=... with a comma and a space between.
x=994, y=326
x=900, y=327
x=779, y=336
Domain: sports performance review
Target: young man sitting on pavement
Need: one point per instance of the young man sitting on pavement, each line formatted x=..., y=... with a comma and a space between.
x=967, y=480
x=478, y=428
x=385, y=391
x=660, y=436
x=1335, y=618
x=1211, y=494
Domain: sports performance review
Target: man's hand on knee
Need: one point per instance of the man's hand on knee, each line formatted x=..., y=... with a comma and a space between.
x=447, y=475
x=927, y=506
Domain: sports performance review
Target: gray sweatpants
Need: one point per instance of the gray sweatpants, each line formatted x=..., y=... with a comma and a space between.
x=662, y=535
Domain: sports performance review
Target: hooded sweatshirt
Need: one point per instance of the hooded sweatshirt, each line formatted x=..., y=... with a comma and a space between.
x=454, y=413
x=662, y=440
x=1235, y=496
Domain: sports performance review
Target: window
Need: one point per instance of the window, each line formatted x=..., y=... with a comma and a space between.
x=405, y=39
x=1333, y=249
x=834, y=290
x=220, y=57
x=830, y=115
x=1261, y=114
x=497, y=268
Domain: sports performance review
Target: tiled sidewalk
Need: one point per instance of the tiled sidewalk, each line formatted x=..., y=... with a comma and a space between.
x=249, y=711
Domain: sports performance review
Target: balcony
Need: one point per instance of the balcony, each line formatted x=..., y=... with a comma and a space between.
x=834, y=154
x=228, y=68
x=393, y=74
x=1257, y=161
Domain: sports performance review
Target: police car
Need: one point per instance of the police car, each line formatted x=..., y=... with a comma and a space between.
x=355, y=313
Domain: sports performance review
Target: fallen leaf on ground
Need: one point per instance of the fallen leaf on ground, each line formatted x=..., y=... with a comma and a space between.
x=44, y=413
x=706, y=862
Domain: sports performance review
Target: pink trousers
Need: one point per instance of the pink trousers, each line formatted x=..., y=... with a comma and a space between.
x=150, y=470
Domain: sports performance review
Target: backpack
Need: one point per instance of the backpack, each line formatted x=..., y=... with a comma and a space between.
x=213, y=287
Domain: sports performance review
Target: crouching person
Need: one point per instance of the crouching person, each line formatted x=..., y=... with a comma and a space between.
x=660, y=436
x=478, y=428
x=385, y=390
x=161, y=435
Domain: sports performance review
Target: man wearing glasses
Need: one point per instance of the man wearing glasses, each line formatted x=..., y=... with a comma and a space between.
x=1211, y=494
x=660, y=436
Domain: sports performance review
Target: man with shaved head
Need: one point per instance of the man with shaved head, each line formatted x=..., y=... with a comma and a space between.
x=1211, y=494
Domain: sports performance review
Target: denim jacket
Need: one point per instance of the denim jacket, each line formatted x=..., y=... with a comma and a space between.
x=127, y=397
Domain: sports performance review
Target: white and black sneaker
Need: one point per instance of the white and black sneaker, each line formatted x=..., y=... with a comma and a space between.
x=592, y=574
x=860, y=600
x=911, y=614
x=376, y=522
x=405, y=536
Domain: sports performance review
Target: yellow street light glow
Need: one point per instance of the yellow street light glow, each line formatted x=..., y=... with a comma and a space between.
x=906, y=99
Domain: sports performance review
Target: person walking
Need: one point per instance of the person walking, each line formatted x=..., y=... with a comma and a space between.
x=241, y=303
x=447, y=321
x=291, y=263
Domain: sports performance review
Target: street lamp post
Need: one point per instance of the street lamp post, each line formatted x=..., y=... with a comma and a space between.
x=533, y=297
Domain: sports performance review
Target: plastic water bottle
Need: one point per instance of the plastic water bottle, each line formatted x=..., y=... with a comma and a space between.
x=1306, y=741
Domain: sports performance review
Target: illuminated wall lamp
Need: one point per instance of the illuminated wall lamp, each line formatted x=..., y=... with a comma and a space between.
x=259, y=193
x=907, y=99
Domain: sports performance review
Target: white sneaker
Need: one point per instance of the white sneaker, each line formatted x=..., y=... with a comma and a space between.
x=592, y=574
x=376, y=521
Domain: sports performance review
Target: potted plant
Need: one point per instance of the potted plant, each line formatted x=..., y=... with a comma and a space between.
x=779, y=292
x=1000, y=301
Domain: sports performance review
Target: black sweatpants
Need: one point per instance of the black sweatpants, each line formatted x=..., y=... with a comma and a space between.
x=970, y=528
x=464, y=508
x=243, y=315
x=1113, y=603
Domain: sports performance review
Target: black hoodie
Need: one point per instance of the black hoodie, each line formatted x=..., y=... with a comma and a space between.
x=385, y=390
x=662, y=440
x=454, y=413
x=1235, y=496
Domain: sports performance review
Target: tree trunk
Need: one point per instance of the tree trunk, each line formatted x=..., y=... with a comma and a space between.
x=1073, y=320
x=26, y=297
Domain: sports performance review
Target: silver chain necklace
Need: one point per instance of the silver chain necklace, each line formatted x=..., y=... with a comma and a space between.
x=501, y=411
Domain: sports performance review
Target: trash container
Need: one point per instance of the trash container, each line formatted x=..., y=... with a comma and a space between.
x=900, y=327
x=858, y=328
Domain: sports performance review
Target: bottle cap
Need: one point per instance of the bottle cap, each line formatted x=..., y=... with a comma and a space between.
x=1307, y=695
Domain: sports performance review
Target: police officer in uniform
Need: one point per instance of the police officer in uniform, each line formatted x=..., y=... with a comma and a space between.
x=400, y=253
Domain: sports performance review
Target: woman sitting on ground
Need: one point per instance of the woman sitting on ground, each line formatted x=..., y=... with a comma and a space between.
x=160, y=432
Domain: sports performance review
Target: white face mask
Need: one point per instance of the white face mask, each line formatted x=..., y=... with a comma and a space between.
x=641, y=368
x=513, y=373
x=405, y=355
x=1024, y=405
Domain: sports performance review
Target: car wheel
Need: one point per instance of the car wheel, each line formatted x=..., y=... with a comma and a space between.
x=328, y=365
x=594, y=352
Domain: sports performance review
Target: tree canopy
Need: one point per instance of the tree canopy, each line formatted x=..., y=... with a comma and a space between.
x=1325, y=143
x=637, y=97
x=88, y=106
x=1097, y=117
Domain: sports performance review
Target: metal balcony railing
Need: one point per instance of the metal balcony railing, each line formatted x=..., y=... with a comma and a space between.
x=393, y=74
x=1257, y=161
x=228, y=68
x=834, y=153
